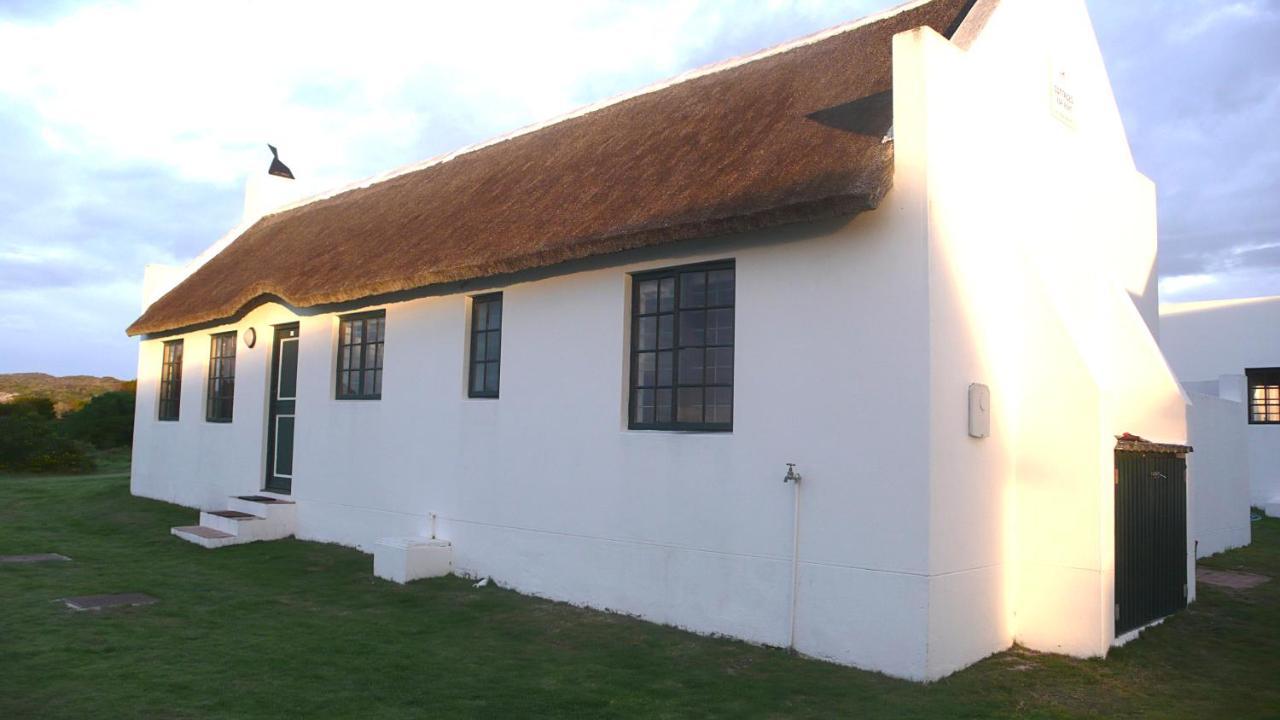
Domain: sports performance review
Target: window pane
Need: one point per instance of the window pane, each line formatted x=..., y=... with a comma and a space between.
x=719, y=405
x=666, y=331
x=367, y=386
x=648, y=296
x=719, y=366
x=642, y=406
x=491, y=378
x=665, y=361
x=646, y=369
x=480, y=316
x=495, y=345
x=647, y=337
x=377, y=382
x=477, y=377
x=377, y=359
x=667, y=294
x=693, y=289
x=357, y=332
x=346, y=332
x=720, y=287
x=662, y=413
x=288, y=369
x=689, y=405
x=284, y=446
x=691, y=366
x=693, y=327
x=495, y=315
x=720, y=327
x=481, y=349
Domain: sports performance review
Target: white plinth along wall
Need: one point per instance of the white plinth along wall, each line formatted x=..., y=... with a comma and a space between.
x=1016, y=250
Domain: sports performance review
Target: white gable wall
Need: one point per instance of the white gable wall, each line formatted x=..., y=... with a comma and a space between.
x=1041, y=257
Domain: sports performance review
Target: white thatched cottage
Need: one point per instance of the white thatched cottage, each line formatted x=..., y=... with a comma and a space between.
x=910, y=255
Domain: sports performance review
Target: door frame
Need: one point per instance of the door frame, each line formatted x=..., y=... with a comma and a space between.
x=283, y=333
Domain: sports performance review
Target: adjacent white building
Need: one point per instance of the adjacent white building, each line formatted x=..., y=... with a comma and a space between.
x=1230, y=349
x=911, y=256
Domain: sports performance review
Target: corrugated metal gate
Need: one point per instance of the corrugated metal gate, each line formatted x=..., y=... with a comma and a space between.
x=1151, y=537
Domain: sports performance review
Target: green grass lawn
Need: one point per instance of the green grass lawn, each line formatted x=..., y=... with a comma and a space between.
x=292, y=629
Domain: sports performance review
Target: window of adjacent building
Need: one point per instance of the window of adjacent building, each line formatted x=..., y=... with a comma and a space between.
x=222, y=377
x=1264, y=395
x=682, y=348
x=360, y=341
x=171, y=380
x=486, y=345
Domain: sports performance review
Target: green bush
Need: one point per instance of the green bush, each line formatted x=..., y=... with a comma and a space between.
x=106, y=421
x=41, y=407
x=30, y=442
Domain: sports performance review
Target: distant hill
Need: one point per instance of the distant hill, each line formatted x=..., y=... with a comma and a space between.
x=67, y=393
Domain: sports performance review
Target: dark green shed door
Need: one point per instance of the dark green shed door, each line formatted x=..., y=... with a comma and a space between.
x=1151, y=537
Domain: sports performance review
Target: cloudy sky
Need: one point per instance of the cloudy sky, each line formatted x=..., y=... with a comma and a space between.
x=127, y=128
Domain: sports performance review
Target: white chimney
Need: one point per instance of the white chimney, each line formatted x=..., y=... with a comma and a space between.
x=265, y=192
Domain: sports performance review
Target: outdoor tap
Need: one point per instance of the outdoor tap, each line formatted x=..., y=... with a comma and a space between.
x=792, y=476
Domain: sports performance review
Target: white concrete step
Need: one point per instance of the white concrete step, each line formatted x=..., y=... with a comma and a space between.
x=250, y=519
x=204, y=536
x=264, y=506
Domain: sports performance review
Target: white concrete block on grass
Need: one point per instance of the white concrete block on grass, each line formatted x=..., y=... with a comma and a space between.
x=405, y=559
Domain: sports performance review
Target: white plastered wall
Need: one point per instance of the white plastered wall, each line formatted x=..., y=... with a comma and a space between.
x=1041, y=248
x=545, y=489
x=1216, y=341
x=1219, y=473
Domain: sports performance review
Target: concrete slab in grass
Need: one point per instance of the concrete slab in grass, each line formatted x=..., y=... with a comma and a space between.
x=103, y=602
x=28, y=559
x=1230, y=579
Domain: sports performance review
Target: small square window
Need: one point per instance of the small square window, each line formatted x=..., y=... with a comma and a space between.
x=1264, y=396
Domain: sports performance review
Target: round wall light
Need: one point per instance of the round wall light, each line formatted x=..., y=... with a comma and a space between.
x=250, y=337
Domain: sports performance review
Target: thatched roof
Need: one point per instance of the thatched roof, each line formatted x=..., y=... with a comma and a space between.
x=790, y=135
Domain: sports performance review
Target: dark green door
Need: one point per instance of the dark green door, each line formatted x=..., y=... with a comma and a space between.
x=1151, y=537
x=282, y=405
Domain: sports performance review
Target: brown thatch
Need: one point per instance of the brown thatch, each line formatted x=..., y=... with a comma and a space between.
x=787, y=137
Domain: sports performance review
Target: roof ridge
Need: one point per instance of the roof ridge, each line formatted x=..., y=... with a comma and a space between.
x=686, y=76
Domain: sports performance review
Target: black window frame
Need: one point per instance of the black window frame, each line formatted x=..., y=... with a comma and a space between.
x=361, y=393
x=677, y=344
x=170, y=390
x=1270, y=406
x=488, y=301
x=221, y=391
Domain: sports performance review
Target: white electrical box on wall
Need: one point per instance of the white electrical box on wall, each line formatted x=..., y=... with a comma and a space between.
x=979, y=410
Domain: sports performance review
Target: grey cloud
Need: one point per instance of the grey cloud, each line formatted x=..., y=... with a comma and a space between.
x=1200, y=100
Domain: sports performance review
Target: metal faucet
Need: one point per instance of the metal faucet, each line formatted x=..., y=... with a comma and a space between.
x=792, y=476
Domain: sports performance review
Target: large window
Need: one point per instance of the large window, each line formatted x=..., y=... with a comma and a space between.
x=486, y=345
x=1264, y=395
x=222, y=377
x=360, y=340
x=171, y=380
x=682, y=348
